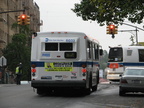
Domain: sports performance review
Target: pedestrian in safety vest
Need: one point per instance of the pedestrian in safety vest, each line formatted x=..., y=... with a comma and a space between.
x=18, y=74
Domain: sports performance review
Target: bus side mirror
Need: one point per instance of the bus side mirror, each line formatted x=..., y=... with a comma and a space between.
x=35, y=34
x=101, y=52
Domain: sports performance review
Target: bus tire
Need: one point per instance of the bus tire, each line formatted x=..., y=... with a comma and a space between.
x=87, y=91
x=94, y=88
x=97, y=77
x=40, y=91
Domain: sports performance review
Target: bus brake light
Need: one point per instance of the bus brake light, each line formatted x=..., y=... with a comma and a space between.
x=84, y=70
x=33, y=70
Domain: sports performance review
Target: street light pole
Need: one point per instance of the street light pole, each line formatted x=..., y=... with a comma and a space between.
x=135, y=30
x=136, y=36
x=12, y=11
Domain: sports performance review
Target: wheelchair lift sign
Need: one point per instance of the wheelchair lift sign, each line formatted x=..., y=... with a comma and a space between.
x=3, y=61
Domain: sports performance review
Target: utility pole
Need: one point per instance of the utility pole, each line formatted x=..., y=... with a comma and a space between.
x=136, y=30
x=12, y=11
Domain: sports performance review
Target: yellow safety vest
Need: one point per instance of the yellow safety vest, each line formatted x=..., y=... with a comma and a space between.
x=17, y=70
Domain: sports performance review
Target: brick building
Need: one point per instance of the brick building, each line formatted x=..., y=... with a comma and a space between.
x=7, y=19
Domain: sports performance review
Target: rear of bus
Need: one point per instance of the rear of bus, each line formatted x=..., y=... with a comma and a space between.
x=115, y=64
x=58, y=61
x=122, y=57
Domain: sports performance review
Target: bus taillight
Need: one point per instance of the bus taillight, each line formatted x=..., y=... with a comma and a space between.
x=83, y=65
x=120, y=65
x=33, y=69
x=84, y=70
x=33, y=65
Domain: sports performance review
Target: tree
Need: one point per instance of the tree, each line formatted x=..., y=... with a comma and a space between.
x=17, y=52
x=132, y=40
x=23, y=29
x=111, y=11
x=104, y=60
x=19, y=49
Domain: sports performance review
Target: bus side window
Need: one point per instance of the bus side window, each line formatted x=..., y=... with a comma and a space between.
x=96, y=52
x=93, y=48
x=141, y=55
x=129, y=52
x=89, y=49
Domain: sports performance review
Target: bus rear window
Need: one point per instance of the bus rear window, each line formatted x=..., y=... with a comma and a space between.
x=115, y=55
x=141, y=55
x=51, y=46
x=70, y=55
x=66, y=46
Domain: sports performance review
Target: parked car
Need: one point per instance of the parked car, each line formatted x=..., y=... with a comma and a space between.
x=132, y=80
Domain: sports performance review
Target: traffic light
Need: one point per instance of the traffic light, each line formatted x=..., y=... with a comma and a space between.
x=28, y=20
x=19, y=20
x=116, y=30
x=112, y=29
x=23, y=19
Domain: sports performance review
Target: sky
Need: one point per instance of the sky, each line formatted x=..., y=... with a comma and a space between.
x=58, y=16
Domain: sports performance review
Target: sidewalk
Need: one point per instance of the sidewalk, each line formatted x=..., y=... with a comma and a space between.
x=7, y=85
x=22, y=82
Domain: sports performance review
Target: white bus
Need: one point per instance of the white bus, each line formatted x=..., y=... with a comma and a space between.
x=122, y=57
x=64, y=60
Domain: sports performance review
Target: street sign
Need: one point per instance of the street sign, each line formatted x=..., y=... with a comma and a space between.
x=3, y=61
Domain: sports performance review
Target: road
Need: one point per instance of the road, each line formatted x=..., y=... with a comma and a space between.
x=23, y=96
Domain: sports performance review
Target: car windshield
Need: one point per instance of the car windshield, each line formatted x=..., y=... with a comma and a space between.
x=134, y=72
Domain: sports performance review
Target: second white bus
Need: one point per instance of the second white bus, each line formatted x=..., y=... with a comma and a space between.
x=121, y=57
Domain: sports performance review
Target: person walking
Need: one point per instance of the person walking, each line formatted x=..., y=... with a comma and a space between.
x=18, y=74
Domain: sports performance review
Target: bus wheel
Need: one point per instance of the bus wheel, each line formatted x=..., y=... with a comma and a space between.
x=87, y=91
x=40, y=91
x=94, y=88
x=98, y=77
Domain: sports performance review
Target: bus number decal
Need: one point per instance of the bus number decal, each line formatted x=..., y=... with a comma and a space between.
x=46, y=39
x=70, y=40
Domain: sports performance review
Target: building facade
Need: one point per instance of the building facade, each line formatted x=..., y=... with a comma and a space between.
x=8, y=19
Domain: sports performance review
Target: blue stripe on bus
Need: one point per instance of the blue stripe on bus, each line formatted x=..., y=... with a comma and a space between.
x=75, y=64
x=130, y=64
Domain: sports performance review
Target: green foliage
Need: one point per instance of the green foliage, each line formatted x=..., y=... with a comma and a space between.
x=17, y=52
x=23, y=29
x=104, y=60
x=132, y=40
x=111, y=11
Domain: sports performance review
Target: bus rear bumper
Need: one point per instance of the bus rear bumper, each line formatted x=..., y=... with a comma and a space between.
x=113, y=77
x=57, y=83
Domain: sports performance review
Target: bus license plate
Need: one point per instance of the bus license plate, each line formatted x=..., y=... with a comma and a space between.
x=136, y=81
x=58, y=77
